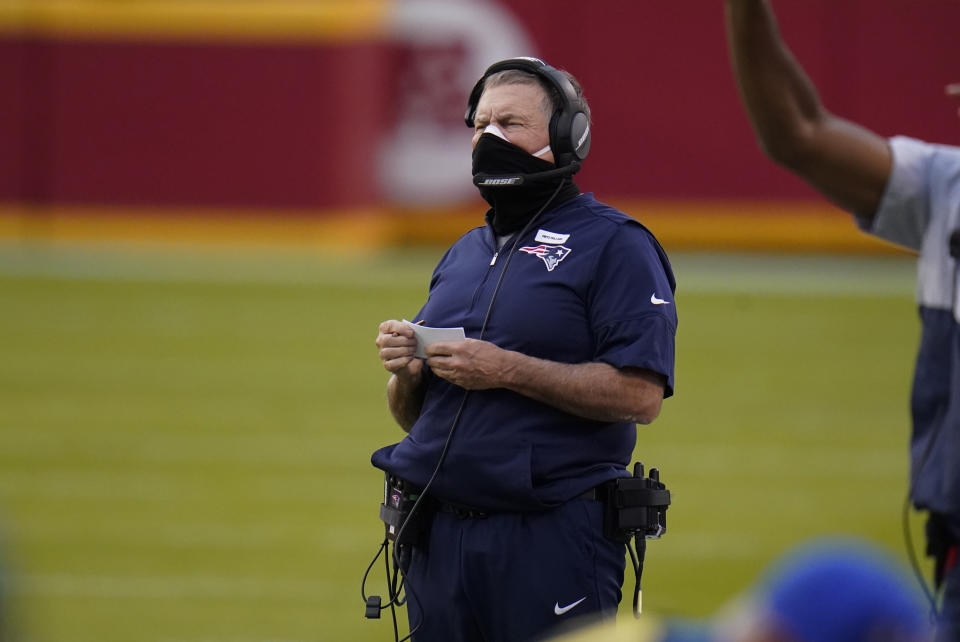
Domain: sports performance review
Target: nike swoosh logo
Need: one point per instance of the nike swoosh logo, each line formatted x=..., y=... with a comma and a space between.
x=654, y=300
x=560, y=610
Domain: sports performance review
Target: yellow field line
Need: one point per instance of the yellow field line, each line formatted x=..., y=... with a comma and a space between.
x=754, y=225
x=259, y=20
x=680, y=225
x=349, y=229
x=698, y=224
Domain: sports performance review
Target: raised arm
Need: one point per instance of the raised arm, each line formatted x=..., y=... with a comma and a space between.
x=849, y=164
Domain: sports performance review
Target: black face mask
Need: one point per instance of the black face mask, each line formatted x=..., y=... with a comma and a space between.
x=514, y=205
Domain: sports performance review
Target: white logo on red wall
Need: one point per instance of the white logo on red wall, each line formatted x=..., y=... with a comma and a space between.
x=442, y=47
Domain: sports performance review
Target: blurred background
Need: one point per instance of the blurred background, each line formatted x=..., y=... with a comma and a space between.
x=207, y=206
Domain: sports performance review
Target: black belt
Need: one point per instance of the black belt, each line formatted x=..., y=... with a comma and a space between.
x=462, y=512
x=469, y=512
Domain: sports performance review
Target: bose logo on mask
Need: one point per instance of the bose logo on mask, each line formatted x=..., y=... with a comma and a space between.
x=508, y=180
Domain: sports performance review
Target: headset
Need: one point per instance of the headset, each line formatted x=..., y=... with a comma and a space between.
x=569, y=125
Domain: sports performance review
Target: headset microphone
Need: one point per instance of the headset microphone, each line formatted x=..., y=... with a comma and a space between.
x=515, y=180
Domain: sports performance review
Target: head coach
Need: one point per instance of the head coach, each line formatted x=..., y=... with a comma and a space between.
x=568, y=309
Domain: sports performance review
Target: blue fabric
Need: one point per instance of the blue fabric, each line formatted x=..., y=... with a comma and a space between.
x=586, y=284
x=828, y=590
x=935, y=447
x=503, y=578
x=843, y=591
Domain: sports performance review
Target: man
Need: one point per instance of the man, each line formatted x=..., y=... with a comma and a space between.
x=902, y=190
x=568, y=309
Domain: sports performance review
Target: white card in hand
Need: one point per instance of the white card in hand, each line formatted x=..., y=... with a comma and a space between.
x=426, y=336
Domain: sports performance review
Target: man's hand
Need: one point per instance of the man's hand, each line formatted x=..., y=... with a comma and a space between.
x=397, y=344
x=470, y=364
x=595, y=391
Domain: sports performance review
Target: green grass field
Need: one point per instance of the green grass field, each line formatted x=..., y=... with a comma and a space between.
x=185, y=435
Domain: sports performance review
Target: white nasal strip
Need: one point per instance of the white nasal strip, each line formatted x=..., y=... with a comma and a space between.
x=544, y=236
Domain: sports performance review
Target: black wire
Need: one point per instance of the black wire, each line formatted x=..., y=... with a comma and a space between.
x=394, y=590
x=392, y=587
x=513, y=250
x=637, y=559
x=912, y=555
x=363, y=582
x=416, y=505
x=907, y=535
x=635, y=565
x=641, y=555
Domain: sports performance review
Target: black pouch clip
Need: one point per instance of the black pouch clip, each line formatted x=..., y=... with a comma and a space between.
x=635, y=506
x=399, y=498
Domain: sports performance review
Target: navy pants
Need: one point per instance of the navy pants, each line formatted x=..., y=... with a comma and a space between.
x=512, y=577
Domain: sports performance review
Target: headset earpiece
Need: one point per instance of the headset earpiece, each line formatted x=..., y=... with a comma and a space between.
x=569, y=125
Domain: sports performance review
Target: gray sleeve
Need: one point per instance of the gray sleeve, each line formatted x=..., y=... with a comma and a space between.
x=904, y=210
x=919, y=210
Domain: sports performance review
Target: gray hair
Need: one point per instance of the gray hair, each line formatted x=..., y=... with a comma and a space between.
x=551, y=95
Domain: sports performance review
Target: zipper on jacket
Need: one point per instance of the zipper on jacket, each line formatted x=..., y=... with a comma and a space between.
x=483, y=281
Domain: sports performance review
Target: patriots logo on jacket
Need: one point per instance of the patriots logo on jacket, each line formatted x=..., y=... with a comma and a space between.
x=551, y=254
